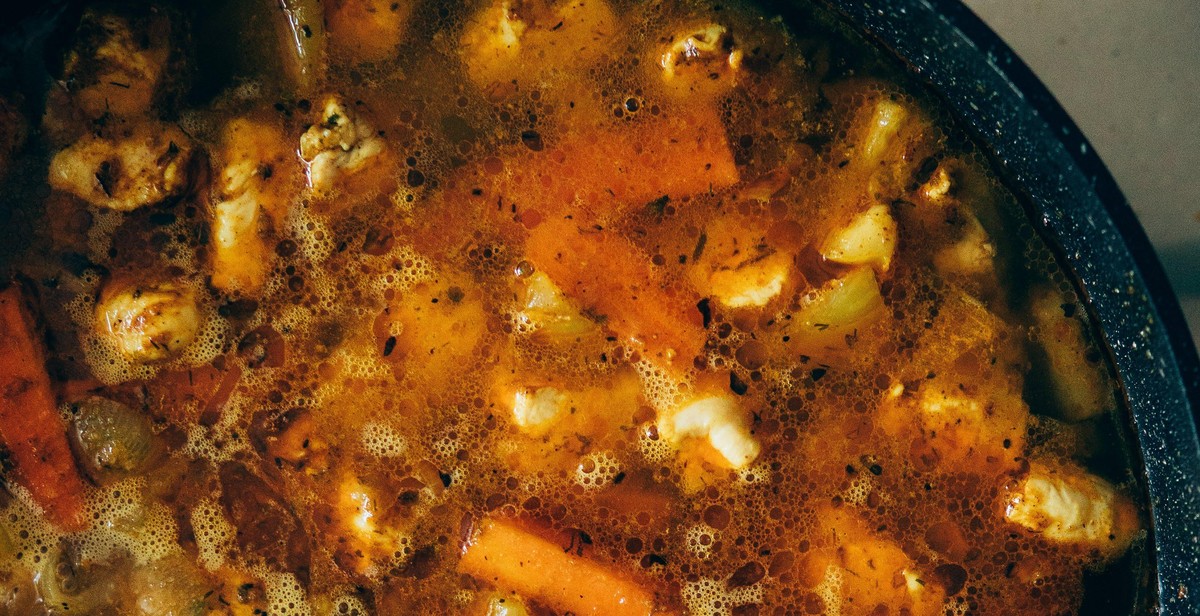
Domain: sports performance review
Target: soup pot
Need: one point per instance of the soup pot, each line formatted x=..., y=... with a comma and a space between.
x=1076, y=204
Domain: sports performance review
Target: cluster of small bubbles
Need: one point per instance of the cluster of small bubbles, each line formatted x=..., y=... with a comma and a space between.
x=757, y=473
x=830, y=590
x=860, y=487
x=214, y=534
x=128, y=523
x=664, y=392
x=99, y=237
x=654, y=448
x=314, y=239
x=349, y=605
x=597, y=470
x=23, y=524
x=383, y=441
x=714, y=597
x=210, y=340
x=448, y=445
x=409, y=268
x=214, y=443
x=700, y=540
x=285, y=594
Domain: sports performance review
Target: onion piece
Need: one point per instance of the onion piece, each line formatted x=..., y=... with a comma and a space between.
x=111, y=439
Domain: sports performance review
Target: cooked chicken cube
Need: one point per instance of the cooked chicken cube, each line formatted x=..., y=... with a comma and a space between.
x=148, y=322
x=518, y=39
x=534, y=411
x=365, y=544
x=971, y=254
x=145, y=163
x=869, y=239
x=753, y=283
x=718, y=419
x=340, y=148
x=1066, y=505
x=738, y=267
x=253, y=197
x=367, y=30
x=118, y=64
x=1075, y=369
x=705, y=55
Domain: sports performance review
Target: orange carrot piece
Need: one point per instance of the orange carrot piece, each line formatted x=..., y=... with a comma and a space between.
x=29, y=423
x=514, y=559
x=609, y=276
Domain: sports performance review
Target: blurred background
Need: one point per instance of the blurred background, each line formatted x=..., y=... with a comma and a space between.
x=1128, y=73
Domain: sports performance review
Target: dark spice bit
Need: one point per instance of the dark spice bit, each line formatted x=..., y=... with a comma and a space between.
x=850, y=470
x=445, y=477
x=658, y=206
x=737, y=385
x=389, y=345
x=532, y=140
x=1068, y=310
x=699, y=246
x=705, y=308
x=817, y=373
x=306, y=30
x=875, y=469
x=455, y=294
x=619, y=478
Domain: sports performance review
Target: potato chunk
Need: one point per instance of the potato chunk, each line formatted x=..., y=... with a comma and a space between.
x=1076, y=374
x=701, y=58
x=869, y=239
x=148, y=322
x=1069, y=506
x=145, y=163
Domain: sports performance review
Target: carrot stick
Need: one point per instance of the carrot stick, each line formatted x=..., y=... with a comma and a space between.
x=29, y=423
x=514, y=559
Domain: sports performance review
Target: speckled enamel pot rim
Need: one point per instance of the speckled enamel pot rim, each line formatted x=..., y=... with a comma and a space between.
x=1045, y=158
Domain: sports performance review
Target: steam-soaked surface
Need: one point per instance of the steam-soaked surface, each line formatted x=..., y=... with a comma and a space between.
x=722, y=307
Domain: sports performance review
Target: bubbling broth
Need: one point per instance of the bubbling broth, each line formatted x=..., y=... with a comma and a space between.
x=531, y=307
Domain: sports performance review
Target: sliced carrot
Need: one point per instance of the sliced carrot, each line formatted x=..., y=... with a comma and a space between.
x=608, y=276
x=29, y=421
x=511, y=558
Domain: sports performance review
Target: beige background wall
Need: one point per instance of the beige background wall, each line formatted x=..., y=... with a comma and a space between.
x=1128, y=72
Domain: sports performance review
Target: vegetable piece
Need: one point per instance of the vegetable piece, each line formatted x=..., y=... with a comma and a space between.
x=535, y=410
x=827, y=315
x=1069, y=506
x=520, y=39
x=608, y=276
x=148, y=322
x=719, y=420
x=885, y=122
x=112, y=439
x=170, y=586
x=74, y=586
x=29, y=422
x=548, y=311
x=117, y=64
x=502, y=554
x=255, y=188
x=367, y=30
x=869, y=239
x=1074, y=370
x=145, y=163
x=497, y=604
x=301, y=31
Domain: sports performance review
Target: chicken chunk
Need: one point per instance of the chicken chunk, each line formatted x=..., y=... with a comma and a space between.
x=118, y=64
x=367, y=30
x=148, y=322
x=1066, y=505
x=829, y=316
x=718, y=419
x=869, y=239
x=548, y=310
x=342, y=149
x=145, y=163
x=1075, y=370
x=366, y=545
x=519, y=39
x=534, y=411
x=253, y=196
x=701, y=58
x=738, y=267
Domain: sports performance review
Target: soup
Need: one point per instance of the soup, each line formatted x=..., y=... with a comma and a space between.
x=531, y=307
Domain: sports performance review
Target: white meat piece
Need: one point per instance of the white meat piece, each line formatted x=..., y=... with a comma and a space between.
x=117, y=65
x=883, y=125
x=751, y=284
x=145, y=164
x=1081, y=388
x=370, y=545
x=547, y=309
x=721, y=421
x=972, y=254
x=1070, y=506
x=148, y=322
x=535, y=410
x=869, y=239
x=706, y=53
x=341, y=144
